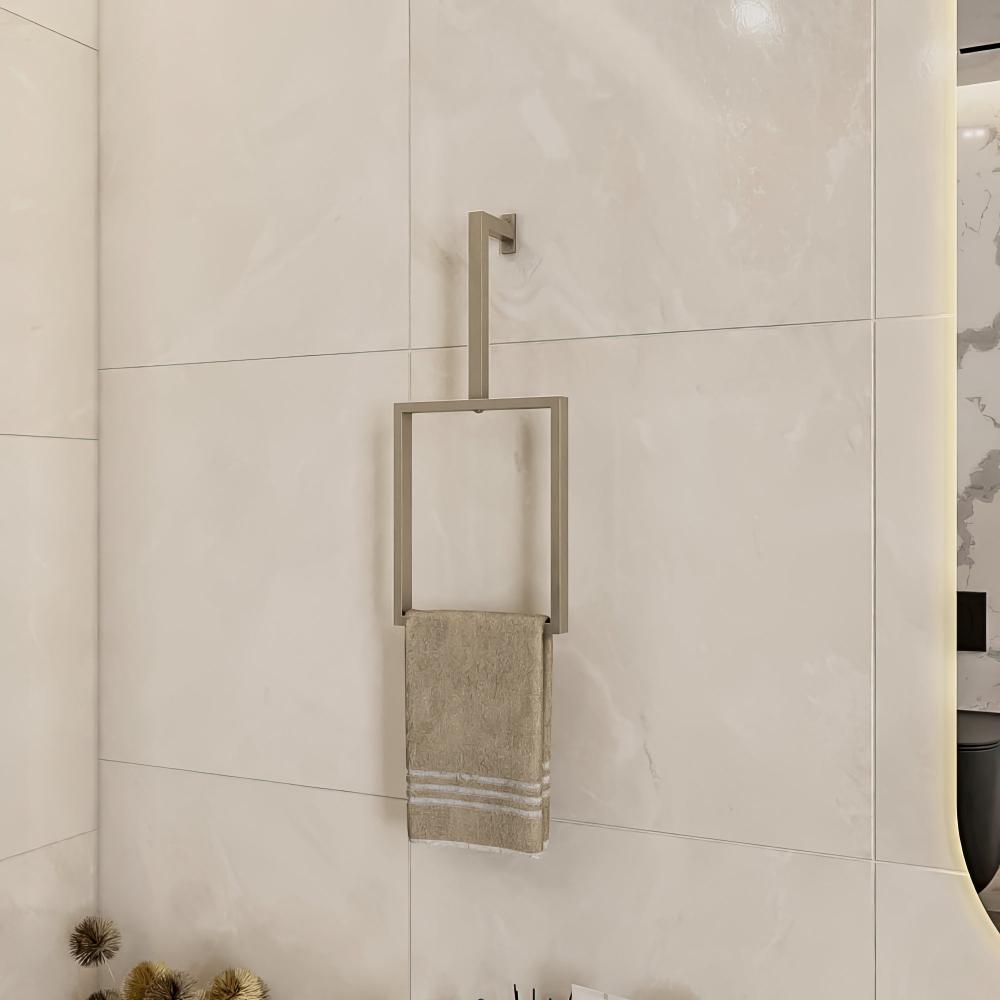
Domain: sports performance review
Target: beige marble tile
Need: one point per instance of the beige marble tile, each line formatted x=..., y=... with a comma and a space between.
x=641, y=915
x=915, y=585
x=247, y=558
x=254, y=179
x=715, y=678
x=655, y=189
x=979, y=67
x=934, y=937
x=48, y=640
x=914, y=157
x=307, y=887
x=977, y=105
x=77, y=19
x=48, y=240
x=42, y=895
x=978, y=23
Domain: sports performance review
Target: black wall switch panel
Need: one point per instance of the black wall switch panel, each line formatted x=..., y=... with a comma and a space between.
x=972, y=631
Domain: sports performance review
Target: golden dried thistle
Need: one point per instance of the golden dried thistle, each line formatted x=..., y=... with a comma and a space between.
x=94, y=941
x=172, y=985
x=138, y=981
x=105, y=995
x=237, y=984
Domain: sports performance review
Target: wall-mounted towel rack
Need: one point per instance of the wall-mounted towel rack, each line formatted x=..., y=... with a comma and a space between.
x=483, y=226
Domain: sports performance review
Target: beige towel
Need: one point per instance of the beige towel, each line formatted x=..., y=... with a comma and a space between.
x=478, y=728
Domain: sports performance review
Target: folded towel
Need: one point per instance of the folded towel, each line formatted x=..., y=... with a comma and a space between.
x=478, y=728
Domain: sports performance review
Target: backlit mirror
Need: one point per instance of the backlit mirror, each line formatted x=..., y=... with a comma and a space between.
x=979, y=445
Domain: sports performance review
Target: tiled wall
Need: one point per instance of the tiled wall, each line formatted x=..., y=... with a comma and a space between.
x=754, y=728
x=48, y=490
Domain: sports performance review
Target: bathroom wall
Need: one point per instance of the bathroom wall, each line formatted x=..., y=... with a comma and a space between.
x=737, y=260
x=979, y=375
x=48, y=490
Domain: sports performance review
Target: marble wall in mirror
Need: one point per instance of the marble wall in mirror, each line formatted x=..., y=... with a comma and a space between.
x=979, y=437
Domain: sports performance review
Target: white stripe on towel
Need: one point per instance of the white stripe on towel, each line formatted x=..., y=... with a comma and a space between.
x=528, y=786
x=489, y=849
x=531, y=800
x=483, y=806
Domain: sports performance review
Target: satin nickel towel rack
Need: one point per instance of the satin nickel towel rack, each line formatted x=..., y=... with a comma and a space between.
x=483, y=226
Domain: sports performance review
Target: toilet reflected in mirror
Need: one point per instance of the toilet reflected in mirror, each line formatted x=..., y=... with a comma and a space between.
x=979, y=802
x=978, y=398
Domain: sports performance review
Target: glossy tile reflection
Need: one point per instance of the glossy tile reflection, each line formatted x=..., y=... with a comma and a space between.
x=48, y=240
x=251, y=564
x=42, y=895
x=308, y=887
x=48, y=641
x=914, y=598
x=700, y=465
x=692, y=193
x=641, y=915
x=255, y=179
x=935, y=939
x=914, y=193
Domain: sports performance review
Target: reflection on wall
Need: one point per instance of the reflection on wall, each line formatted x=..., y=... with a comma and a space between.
x=979, y=377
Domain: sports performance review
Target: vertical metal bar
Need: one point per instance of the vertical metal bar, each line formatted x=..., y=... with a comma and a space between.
x=482, y=226
x=479, y=307
x=559, y=527
x=403, y=519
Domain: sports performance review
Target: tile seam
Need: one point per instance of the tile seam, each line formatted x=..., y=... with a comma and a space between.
x=503, y=343
x=52, y=843
x=45, y=437
x=46, y=27
x=555, y=819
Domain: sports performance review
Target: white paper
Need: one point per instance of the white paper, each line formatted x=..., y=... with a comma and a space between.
x=582, y=993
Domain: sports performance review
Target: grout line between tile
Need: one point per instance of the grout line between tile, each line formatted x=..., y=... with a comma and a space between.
x=567, y=822
x=875, y=930
x=506, y=343
x=715, y=840
x=244, y=777
x=46, y=437
x=409, y=174
x=925, y=868
x=409, y=916
x=53, y=843
x=873, y=597
x=925, y=316
x=45, y=27
x=98, y=241
x=409, y=396
x=873, y=661
x=266, y=357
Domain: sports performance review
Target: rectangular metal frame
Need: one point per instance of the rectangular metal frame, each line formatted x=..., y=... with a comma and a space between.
x=559, y=495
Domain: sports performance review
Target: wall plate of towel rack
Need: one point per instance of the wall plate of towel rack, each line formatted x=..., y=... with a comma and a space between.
x=483, y=226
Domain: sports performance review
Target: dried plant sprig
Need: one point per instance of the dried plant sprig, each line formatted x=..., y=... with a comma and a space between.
x=237, y=984
x=94, y=941
x=105, y=995
x=138, y=981
x=172, y=985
